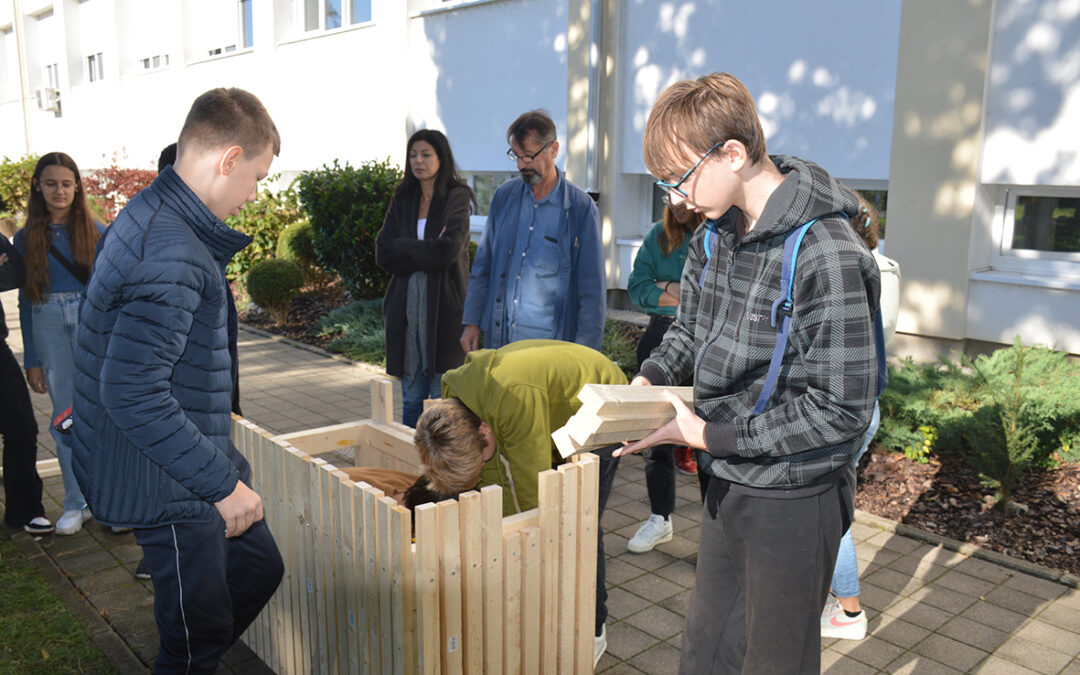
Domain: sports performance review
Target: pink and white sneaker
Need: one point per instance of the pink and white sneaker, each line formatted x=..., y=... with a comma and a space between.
x=835, y=623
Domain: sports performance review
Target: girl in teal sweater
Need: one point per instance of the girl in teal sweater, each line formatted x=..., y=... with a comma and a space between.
x=654, y=286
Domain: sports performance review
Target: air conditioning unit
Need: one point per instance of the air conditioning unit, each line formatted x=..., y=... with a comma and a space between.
x=48, y=98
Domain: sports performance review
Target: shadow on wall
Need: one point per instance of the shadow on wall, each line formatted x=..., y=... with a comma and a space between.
x=827, y=100
x=1034, y=94
x=490, y=63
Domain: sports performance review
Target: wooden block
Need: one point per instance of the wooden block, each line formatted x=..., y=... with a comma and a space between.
x=511, y=626
x=427, y=586
x=386, y=610
x=450, y=587
x=569, y=573
x=550, y=497
x=582, y=429
x=491, y=533
x=531, y=579
x=389, y=446
x=382, y=401
x=564, y=443
x=624, y=400
x=305, y=547
x=348, y=505
x=472, y=583
x=315, y=569
x=336, y=614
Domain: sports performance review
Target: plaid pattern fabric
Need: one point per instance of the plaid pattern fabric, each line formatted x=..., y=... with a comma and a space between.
x=723, y=335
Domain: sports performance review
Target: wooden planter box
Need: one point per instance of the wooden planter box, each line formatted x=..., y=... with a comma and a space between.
x=474, y=593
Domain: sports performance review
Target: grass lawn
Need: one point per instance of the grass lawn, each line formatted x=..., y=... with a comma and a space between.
x=37, y=632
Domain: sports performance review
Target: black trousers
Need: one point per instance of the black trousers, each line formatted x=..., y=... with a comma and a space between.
x=608, y=466
x=207, y=589
x=660, y=460
x=765, y=560
x=22, y=485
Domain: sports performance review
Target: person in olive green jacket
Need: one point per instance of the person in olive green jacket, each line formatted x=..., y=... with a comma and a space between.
x=502, y=406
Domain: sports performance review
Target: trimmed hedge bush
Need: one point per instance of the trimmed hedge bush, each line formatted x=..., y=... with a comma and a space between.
x=296, y=243
x=272, y=284
x=347, y=206
x=263, y=220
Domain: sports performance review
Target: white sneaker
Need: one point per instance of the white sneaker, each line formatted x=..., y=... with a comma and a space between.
x=599, y=645
x=835, y=623
x=72, y=521
x=655, y=530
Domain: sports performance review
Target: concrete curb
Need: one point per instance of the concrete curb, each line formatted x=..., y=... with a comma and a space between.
x=970, y=550
x=313, y=349
x=118, y=652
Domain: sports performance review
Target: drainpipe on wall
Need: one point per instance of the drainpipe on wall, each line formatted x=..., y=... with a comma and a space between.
x=24, y=81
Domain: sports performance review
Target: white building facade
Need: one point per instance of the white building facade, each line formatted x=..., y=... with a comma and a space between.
x=966, y=112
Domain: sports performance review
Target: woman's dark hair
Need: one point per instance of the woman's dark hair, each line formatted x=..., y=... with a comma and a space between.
x=446, y=178
x=81, y=228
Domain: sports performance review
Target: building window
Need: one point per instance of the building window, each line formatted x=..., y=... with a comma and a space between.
x=484, y=185
x=52, y=75
x=1046, y=224
x=331, y=14
x=246, y=38
x=1038, y=232
x=95, y=67
x=155, y=62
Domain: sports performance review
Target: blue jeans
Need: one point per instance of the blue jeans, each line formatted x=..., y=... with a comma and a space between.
x=845, y=581
x=415, y=388
x=54, y=324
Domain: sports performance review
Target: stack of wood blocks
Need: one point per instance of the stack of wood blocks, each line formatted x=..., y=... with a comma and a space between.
x=617, y=413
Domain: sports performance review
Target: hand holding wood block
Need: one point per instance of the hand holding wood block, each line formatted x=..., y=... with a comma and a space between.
x=616, y=413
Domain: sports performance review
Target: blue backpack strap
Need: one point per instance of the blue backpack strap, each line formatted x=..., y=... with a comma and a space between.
x=879, y=345
x=783, y=306
x=710, y=235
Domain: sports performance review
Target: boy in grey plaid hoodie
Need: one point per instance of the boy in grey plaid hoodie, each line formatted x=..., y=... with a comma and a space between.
x=784, y=487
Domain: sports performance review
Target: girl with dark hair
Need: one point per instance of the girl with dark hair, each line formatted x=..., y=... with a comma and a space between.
x=57, y=245
x=423, y=245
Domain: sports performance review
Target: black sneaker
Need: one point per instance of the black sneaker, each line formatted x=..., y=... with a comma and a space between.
x=141, y=571
x=39, y=525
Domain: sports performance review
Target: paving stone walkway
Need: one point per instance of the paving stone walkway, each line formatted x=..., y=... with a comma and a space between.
x=934, y=606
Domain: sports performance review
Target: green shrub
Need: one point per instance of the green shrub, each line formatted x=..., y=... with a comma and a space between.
x=347, y=206
x=620, y=345
x=1002, y=413
x=295, y=244
x=359, y=327
x=15, y=177
x=263, y=220
x=273, y=284
x=1034, y=395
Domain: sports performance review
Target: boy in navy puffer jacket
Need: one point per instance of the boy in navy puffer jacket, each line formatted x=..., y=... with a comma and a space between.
x=153, y=387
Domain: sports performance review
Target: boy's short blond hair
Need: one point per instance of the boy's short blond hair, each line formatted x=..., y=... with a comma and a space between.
x=693, y=115
x=226, y=117
x=451, y=447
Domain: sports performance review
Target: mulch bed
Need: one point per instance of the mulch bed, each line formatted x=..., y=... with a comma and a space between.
x=944, y=496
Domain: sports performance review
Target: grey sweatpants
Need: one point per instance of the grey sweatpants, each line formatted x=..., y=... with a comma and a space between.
x=764, y=564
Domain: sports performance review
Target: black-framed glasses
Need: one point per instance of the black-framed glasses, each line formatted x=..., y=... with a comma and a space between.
x=674, y=187
x=528, y=158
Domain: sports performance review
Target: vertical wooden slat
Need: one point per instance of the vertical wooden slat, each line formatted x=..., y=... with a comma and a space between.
x=568, y=571
x=398, y=534
x=450, y=587
x=511, y=624
x=371, y=580
x=315, y=553
x=386, y=605
x=427, y=588
x=491, y=531
x=531, y=579
x=358, y=627
x=337, y=590
x=472, y=583
x=403, y=542
x=283, y=526
x=294, y=469
x=550, y=498
x=305, y=547
x=382, y=401
x=588, y=526
x=259, y=480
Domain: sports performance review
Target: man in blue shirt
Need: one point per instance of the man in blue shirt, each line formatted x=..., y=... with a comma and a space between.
x=539, y=268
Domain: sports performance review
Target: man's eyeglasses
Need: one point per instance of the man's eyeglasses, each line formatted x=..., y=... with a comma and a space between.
x=674, y=187
x=528, y=158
